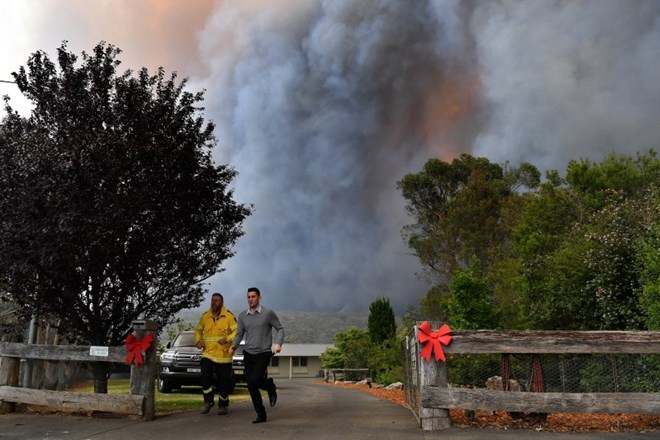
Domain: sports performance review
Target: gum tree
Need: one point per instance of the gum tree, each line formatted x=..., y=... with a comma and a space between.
x=111, y=207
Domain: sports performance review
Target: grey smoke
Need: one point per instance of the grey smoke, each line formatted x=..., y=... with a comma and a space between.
x=568, y=79
x=325, y=105
x=322, y=106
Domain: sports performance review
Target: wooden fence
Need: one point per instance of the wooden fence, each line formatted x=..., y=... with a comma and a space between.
x=139, y=402
x=335, y=374
x=430, y=397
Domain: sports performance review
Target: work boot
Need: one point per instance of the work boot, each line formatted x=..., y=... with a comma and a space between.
x=207, y=407
x=223, y=410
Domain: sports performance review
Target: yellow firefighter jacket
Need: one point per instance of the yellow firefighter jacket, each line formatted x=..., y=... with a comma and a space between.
x=211, y=329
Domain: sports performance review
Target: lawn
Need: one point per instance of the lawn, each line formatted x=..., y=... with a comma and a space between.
x=183, y=399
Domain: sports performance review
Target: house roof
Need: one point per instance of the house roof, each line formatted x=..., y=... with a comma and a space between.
x=304, y=349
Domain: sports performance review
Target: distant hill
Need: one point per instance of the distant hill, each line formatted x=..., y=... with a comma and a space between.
x=318, y=327
x=304, y=327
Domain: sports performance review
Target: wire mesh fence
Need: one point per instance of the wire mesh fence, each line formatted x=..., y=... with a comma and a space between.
x=411, y=373
x=568, y=373
x=553, y=373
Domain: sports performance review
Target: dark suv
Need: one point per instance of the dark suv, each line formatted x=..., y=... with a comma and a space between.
x=180, y=364
x=237, y=364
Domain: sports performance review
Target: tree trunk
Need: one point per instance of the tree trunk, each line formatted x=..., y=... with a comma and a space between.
x=101, y=372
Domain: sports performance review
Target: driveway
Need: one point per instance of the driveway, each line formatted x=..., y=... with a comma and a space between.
x=305, y=410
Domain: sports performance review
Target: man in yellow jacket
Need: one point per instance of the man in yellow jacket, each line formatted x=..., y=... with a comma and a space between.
x=214, y=335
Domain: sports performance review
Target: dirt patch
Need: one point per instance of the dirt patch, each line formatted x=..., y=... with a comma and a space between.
x=553, y=423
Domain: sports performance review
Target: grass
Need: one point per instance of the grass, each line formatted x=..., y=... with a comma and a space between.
x=183, y=399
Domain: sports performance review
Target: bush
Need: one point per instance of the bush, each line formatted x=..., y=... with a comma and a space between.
x=390, y=376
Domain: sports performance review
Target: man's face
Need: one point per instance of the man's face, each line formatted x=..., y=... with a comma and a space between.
x=253, y=299
x=216, y=303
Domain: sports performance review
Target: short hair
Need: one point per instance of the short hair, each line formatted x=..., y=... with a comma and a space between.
x=218, y=294
x=255, y=290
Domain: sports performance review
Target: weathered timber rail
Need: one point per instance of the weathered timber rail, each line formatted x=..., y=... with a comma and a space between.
x=140, y=402
x=431, y=398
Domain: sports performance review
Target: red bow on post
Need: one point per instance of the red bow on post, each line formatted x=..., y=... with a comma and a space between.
x=135, y=347
x=435, y=339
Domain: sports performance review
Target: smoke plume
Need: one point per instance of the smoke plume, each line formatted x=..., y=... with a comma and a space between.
x=323, y=105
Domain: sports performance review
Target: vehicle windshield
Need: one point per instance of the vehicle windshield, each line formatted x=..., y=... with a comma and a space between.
x=184, y=340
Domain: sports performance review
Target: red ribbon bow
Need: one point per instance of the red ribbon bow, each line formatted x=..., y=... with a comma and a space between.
x=436, y=338
x=135, y=347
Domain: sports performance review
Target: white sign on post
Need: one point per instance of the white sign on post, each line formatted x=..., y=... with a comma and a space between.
x=98, y=351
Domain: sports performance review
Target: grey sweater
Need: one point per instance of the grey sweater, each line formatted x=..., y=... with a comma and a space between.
x=257, y=330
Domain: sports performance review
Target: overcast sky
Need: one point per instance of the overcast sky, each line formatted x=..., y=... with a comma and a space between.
x=322, y=106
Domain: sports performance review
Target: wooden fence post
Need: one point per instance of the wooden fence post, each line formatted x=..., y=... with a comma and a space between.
x=9, y=369
x=143, y=376
x=434, y=374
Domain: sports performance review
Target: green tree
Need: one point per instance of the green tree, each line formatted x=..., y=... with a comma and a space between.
x=332, y=358
x=351, y=350
x=381, y=324
x=111, y=207
x=453, y=205
x=408, y=322
x=579, y=239
x=384, y=356
x=430, y=308
x=460, y=211
x=614, y=278
x=648, y=255
x=470, y=306
x=385, y=361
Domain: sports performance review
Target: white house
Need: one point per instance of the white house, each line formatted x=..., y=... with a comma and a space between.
x=297, y=361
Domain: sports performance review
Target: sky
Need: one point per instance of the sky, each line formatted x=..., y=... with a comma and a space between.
x=323, y=105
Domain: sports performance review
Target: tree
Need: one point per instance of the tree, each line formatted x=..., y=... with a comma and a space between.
x=579, y=239
x=649, y=260
x=460, y=211
x=453, y=205
x=612, y=261
x=351, y=350
x=470, y=306
x=429, y=305
x=408, y=322
x=381, y=324
x=111, y=207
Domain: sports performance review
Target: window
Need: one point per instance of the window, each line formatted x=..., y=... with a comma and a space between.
x=274, y=361
x=184, y=339
x=299, y=361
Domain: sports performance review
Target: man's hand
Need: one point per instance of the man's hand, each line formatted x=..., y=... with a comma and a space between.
x=277, y=348
x=231, y=350
x=200, y=344
x=222, y=341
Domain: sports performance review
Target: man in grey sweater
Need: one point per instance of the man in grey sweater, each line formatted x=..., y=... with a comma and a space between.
x=256, y=326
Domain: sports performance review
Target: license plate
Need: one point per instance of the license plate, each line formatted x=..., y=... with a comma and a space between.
x=194, y=370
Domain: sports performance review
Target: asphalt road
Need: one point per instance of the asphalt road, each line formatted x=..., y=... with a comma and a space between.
x=305, y=410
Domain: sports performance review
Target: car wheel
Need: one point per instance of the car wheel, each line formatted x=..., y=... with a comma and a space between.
x=164, y=386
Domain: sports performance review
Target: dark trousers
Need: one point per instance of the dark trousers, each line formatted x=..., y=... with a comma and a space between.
x=222, y=381
x=255, y=375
